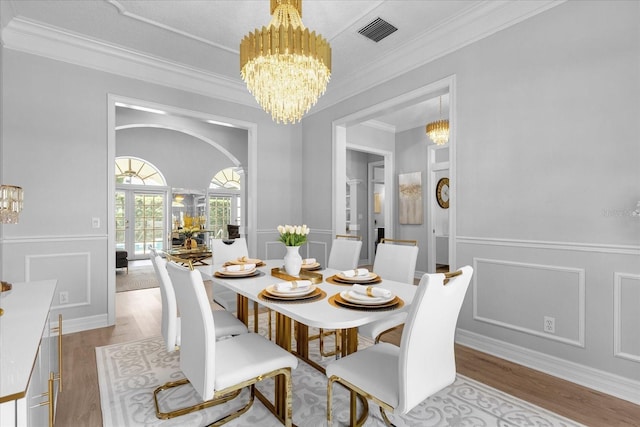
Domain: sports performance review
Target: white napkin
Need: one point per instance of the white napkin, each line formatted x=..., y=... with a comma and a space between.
x=308, y=261
x=371, y=291
x=295, y=285
x=239, y=267
x=357, y=272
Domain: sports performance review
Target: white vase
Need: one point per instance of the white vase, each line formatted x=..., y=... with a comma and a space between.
x=292, y=261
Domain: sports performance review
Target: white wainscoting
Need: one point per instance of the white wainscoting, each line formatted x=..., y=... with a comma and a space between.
x=626, y=316
x=602, y=280
x=68, y=269
x=518, y=295
x=596, y=379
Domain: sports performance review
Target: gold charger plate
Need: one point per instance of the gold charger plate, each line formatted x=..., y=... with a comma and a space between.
x=337, y=301
x=256, y=261
x=251, y=273
x=370, y=277
x=338, y=281
x=313, y=296
x=271, y=290
x=311, y=267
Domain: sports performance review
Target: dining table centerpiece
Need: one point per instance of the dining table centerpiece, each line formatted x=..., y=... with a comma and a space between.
x=293, y=236
x=189, y=237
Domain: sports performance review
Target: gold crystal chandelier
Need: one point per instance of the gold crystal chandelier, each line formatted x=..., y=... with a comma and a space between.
x=438, y=131
x=285, y=66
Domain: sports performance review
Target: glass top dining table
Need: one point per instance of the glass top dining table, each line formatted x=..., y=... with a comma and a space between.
x=319, y=312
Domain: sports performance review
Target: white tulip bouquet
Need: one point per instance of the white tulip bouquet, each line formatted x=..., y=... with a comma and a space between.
x=293, y=235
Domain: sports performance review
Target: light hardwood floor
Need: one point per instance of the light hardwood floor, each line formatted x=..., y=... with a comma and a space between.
x=138, y=316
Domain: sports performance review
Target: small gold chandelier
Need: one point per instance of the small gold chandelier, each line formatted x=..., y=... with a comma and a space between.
x=438, y=131
x=285, y=67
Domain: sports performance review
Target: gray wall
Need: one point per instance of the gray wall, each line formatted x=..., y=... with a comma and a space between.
x=547, y=175
x=54, y=144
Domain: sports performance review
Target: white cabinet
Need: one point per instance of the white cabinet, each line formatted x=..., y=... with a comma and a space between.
x=29, y=355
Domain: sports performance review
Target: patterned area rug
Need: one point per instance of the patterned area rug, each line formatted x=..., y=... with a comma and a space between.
x=138, y=277
x=129, y=372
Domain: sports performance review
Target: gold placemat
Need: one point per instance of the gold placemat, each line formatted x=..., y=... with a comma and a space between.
x=280, y=273
x=316, y=295
x=335, y=280
x=337, y=301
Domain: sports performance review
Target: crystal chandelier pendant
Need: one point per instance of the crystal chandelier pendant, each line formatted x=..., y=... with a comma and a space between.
x=285, y=66
x=438, y=131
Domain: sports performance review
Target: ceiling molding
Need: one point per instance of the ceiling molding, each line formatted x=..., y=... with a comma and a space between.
x=39, y=39
x=474, y=24
x=376, y=124
x=123, y=11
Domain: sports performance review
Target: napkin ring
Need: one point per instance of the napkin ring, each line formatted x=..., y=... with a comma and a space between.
x=370, y=291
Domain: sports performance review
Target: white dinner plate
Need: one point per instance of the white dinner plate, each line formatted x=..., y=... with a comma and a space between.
x=246, y=261
x=358, y=298
x=368, y=278
x=310, y=266
x=271, y=289
x=236, y=273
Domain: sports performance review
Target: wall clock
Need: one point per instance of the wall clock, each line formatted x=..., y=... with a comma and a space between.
x=442, y=193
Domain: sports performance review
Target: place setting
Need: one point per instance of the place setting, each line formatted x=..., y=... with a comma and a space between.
x=243, y=260
x=235, y=271
x=355, y=276
x=310, y=264
x=292, y=291
x=366, y=297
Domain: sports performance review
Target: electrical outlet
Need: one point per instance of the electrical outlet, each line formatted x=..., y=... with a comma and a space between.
x=95, y=222
x=550, y=324
x=64, y=297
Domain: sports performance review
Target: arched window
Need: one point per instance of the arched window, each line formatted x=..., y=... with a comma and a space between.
x=226, y=178
x=224, y=201
x=131, y=170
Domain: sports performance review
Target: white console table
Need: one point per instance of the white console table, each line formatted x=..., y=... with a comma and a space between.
x=30, y=359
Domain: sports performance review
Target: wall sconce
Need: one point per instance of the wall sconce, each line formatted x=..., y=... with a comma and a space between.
x=10, y=204
x=10, y=207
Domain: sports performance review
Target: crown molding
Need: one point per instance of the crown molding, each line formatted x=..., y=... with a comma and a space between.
x=475, y=23
x=40, y=39
x=377, y=124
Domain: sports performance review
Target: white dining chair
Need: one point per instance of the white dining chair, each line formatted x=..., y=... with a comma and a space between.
x=217, y=370
x=224, y=250
x=345, y=252
x=395, y=260
x=226, y=323
x=344, y=255
x=399, y=378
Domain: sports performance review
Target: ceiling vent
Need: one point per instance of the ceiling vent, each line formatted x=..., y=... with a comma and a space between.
x=377, y=29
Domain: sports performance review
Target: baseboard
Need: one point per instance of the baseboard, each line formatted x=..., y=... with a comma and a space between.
x=604, y=382
x=80, y=324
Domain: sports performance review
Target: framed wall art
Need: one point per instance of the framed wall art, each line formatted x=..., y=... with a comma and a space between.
x=410, y=195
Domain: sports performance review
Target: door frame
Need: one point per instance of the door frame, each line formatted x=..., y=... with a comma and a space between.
x=250, y=197
x=339, y=137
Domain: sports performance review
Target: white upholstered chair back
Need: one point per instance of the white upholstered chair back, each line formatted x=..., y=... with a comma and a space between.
x=427, y=360
x=198, y=342
x=170, y=326
x=226, y=250
x=396, y=262
x=345, y=254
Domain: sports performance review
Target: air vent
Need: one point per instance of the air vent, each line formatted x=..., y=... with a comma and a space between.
x=377, y=29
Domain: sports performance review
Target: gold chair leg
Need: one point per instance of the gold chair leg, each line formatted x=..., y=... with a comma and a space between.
x=363, y=396
x=187, y=410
